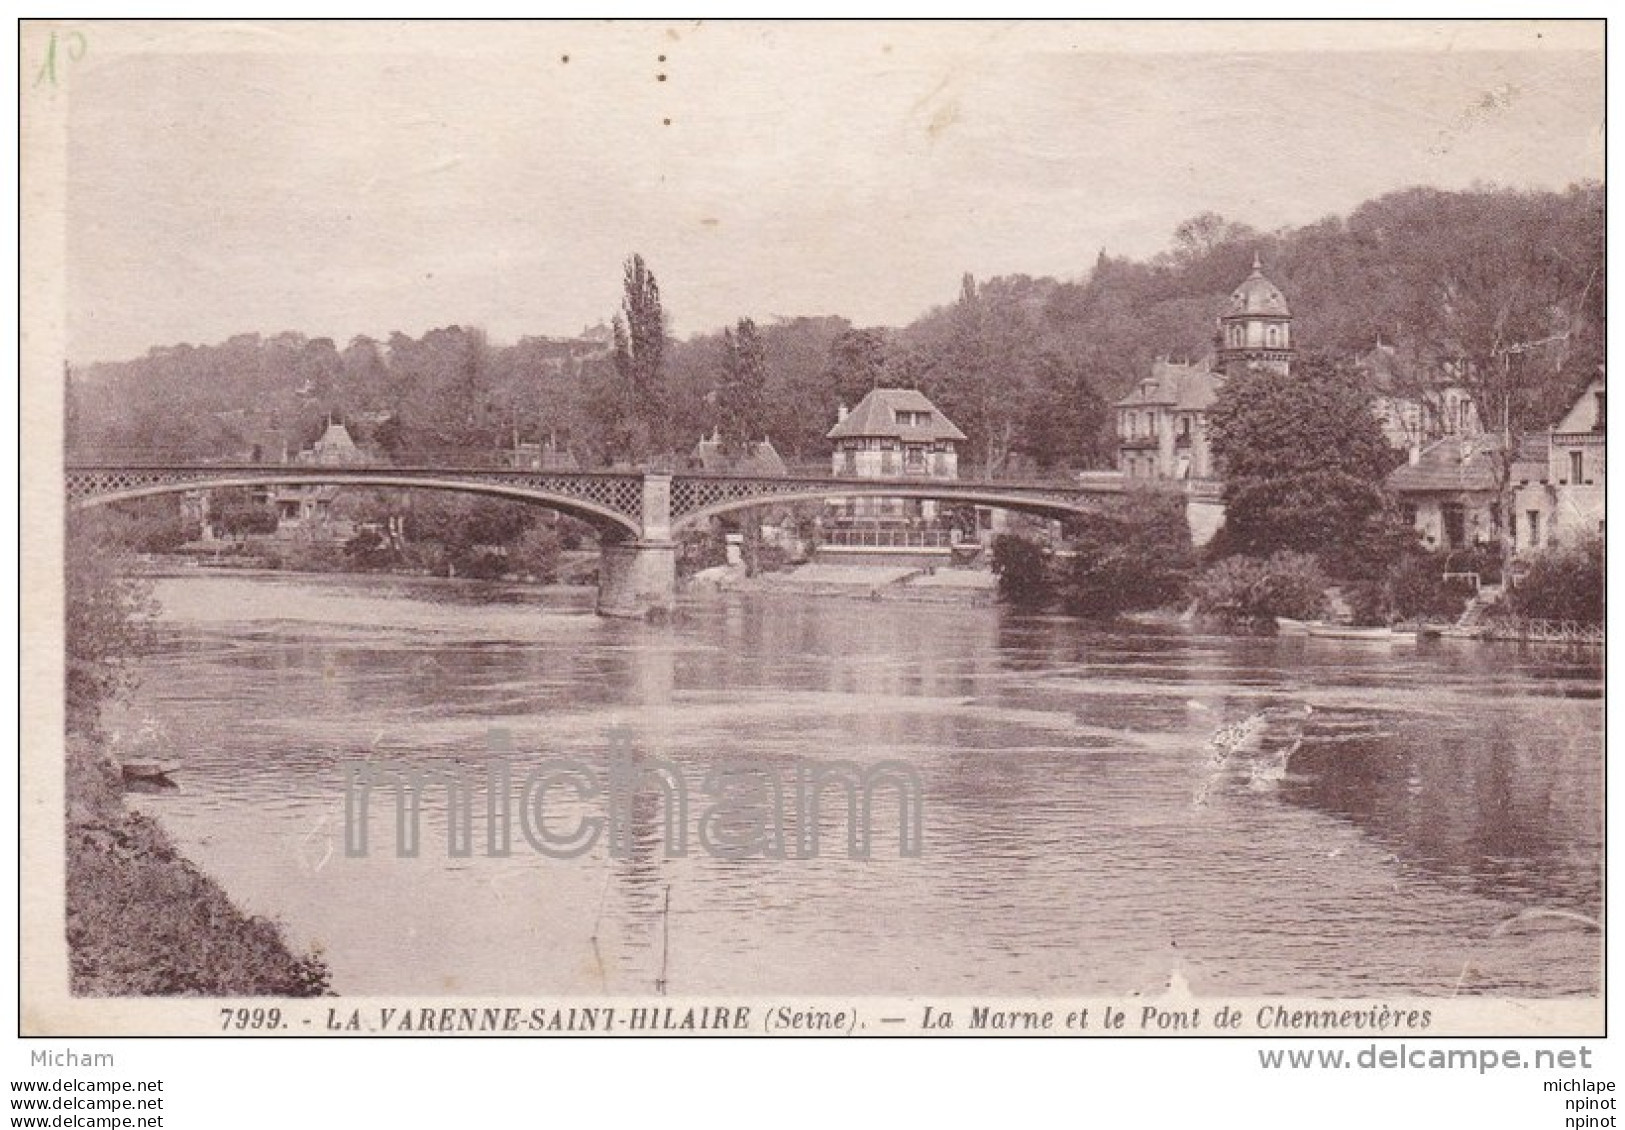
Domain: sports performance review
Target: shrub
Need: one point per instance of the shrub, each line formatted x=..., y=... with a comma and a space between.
x=238, y=514
x=701, y=549
x=538, y=552
x=1483, y=559
x=107, y=622
x=1564, y=584
x=369, y=549
x=1022, y=566
x=1249, y=590
x=1418, y=590
x=1130, y=557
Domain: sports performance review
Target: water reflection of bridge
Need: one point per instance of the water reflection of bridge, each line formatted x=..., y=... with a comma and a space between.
x=638, y=513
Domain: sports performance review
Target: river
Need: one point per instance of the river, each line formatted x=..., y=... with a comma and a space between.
x=1394, y=820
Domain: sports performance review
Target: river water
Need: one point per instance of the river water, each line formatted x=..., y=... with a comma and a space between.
x=1371, y=820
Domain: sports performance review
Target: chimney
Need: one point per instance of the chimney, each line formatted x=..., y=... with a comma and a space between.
x=841, y=411
x=1415, y=454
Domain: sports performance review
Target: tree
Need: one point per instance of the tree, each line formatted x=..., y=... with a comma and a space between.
x=640, y=349
x=1253, y=591
x=1502, y=292
x=1022, y=566
x=1066, y=421
x=107, y=620
x=1303, y=461
x=741, y=394
x=982, y=366
x=1132, y=556
x=856, y=366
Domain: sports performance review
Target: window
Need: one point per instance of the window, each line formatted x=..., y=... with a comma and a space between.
x=1577, y=467
x=1534, y=528
x=1274, y=333
x=1602, y=413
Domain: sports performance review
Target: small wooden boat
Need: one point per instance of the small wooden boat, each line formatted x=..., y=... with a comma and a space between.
x=148, y=769
x=1384, y=634
x=1286, y=626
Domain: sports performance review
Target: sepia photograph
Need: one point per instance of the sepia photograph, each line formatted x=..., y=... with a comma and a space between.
x=821, y=528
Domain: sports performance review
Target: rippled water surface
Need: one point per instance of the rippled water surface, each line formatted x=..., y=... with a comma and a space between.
x=1100, y=807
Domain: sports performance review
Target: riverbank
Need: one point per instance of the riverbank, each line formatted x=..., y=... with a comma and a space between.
x=142, y=920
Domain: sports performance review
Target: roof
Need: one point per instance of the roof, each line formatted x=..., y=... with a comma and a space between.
x=1173, y=384
x=337, y=438
x=762, y=458
x=876, y=415
x=1448, y=465
x=1585, y=412
x=1257, y=295
x=335, y=446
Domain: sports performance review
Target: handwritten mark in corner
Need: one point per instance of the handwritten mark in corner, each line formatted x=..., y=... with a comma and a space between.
x=70, y=45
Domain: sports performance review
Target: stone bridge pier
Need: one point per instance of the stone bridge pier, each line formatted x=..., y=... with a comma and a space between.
x=637, y=577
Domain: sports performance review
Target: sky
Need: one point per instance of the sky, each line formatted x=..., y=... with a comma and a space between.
x=339, y=180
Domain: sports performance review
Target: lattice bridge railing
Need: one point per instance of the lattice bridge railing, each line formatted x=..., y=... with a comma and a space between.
x=620, y=493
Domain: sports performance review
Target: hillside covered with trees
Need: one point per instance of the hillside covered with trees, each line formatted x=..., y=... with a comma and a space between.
x=1506, y=286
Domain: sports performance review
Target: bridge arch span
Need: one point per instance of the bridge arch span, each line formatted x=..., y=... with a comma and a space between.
x=1026, y=504
x=604, y=518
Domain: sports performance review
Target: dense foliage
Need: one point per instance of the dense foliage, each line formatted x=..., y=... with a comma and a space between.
x=1022, y=566
x=107, y=616
x=1253, y=591
x=1132, y=556
x=1567, y=583
x=1304, y=460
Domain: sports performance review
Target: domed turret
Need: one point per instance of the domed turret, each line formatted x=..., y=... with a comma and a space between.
x=1255, y=331
x=1257, y=295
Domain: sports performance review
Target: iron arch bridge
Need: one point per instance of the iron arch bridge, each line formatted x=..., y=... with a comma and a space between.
x=639, y=513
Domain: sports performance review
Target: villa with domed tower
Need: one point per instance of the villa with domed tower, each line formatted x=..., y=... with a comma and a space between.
x=1162, y=425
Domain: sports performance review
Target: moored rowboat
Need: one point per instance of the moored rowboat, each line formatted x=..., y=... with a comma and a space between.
x=148, y=769
x=1384, y=634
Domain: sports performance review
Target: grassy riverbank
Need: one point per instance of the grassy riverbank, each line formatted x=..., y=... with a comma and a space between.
x=143, y=921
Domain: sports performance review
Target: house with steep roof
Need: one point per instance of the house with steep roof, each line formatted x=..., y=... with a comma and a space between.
x=1558, y=482
x=308, y=510
x=1448, y=491
x=892, y=433
x=1162, y=424
x=334, y=448
x=758, y=458
x=895, y=431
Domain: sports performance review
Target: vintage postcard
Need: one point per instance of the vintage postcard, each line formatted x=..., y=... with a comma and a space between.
x=650, y=528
